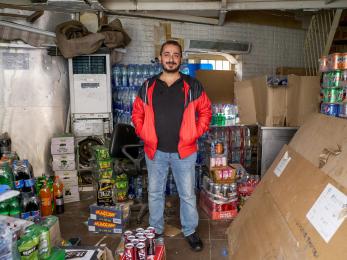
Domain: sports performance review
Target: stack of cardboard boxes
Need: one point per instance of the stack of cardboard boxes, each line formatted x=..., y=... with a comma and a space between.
x=108, y=219
x=299, y=209
x=64, y=166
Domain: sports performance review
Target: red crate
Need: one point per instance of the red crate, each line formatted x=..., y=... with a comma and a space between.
x=217, y=211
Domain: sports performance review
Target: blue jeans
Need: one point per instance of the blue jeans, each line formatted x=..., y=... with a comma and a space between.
x=184, y=174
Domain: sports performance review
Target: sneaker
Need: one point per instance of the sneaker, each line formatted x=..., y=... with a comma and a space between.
x=195, y=242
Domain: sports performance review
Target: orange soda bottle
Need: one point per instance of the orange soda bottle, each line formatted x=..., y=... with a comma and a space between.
x=46, y=200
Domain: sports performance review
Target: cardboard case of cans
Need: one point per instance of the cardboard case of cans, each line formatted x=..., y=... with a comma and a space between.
x=108, y=219
x=334, y=85
x=224, y=200
x=142, y=245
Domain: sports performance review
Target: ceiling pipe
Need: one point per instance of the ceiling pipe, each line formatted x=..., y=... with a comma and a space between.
x=214, y=5
x=222, y=12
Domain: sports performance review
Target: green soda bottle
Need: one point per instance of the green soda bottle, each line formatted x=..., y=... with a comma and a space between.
x=14, y=208
x=4, y=210
x=6, y=176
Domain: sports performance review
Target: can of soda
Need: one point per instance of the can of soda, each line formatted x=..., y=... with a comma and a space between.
x=332, y=95
x=343, y=109
x=146, y=232
x=134, y=241
x=150, y=244
x=139, y=234
x=129, y=238
x=126, y=234
x=217, y=189
x=143, y=240
x=139, y=230
x=330, y=109
x=141, y=252
x=151, y=229
x=224, y=161
x=129, y=251
x=225, y=189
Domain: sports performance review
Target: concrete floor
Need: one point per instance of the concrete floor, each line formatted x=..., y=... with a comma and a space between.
x=72, y=224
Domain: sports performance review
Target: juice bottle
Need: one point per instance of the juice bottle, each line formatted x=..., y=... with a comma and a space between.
x=46, y=200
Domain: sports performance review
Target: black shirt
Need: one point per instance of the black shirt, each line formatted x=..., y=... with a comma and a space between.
x=168, y=105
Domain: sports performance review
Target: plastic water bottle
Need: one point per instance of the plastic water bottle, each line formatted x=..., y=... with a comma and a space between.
x=138, y=72
x=124, y=76
x=126, y=100
x=131, y=74
x=145, y=72
x=151, y=70
x=184, y=69
x=117, y=75
x=5, y=242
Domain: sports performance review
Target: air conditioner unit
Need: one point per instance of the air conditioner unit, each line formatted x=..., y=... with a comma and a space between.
x=90, y=86
x=230, y=47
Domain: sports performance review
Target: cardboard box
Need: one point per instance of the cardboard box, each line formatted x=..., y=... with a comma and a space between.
x=291, y=71
x=215, y=210
x=111, y=214
x=62, y=145
x=223, y=174
x=71, y=194
x=70, y=181
x=277, y=106
x=52, y=222
x=104, y=227
x=297, y=211
x=67, y=177
x=63, y=162
x=218, y=84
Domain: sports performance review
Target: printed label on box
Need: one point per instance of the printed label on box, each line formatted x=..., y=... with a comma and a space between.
x=282, y=164
x=326, y=214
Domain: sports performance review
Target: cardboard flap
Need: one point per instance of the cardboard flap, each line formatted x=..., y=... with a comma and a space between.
x=260, y=232
x=279, y=208
x=244, y=98
x=302, y=98
x=218, y=84
x=318, y=133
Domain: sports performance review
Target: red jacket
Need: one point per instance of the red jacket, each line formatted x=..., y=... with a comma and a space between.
x=196, y=117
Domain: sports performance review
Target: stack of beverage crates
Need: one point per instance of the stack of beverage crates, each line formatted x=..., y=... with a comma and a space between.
x=126, y=82
x=127, y=79
x=64, y=165
x=111, y=188
x=18, y=175
x=235, y=139
x=33, y=241
x=108, y=219
x=226, y=183
x=334, y=85
x=219, y=200
x=108, y=215
x=27, y=240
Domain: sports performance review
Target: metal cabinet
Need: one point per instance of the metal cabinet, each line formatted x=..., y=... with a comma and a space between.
x=270, y=142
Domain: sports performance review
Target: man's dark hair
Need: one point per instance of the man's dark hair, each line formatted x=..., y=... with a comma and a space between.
x=171, y=42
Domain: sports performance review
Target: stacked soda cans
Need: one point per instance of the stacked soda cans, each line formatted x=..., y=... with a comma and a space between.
x=334, y=84
x=139, y=244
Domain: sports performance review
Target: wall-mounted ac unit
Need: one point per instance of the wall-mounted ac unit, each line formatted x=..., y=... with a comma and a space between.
x=90, y=86
x=230, y=47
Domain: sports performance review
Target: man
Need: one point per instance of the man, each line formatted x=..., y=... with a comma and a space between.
x=170, y=113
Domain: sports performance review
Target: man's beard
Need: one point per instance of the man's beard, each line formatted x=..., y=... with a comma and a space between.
x=168, y=70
